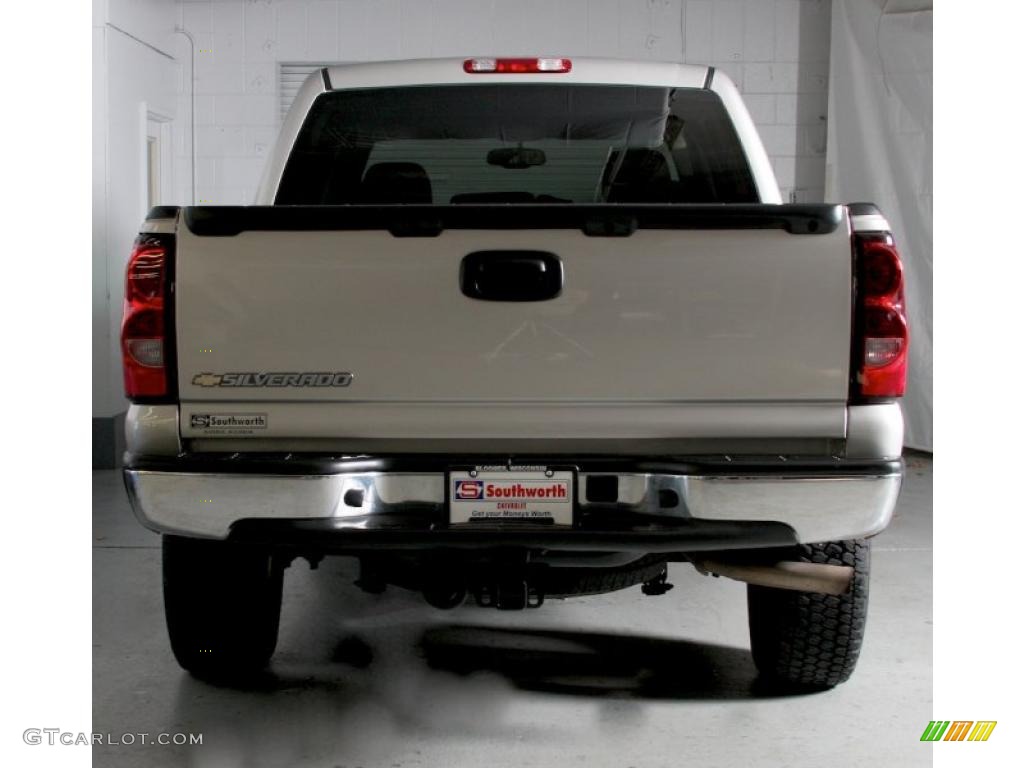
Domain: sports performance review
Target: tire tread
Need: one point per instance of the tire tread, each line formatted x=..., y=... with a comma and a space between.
x=806, y=639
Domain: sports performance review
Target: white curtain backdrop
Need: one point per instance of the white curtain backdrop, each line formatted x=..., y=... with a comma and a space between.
x=880, y=151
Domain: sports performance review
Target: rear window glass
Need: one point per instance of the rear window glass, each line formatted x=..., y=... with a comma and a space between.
x=516, y=143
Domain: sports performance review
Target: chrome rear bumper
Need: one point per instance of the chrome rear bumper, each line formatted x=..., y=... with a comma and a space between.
x=663, y=502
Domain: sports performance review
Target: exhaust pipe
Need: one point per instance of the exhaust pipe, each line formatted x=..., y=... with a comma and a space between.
x=802, y=577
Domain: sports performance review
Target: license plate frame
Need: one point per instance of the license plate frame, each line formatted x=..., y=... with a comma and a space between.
x=515, y=506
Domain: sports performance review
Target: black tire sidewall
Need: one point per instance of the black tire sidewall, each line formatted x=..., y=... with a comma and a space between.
x=222, y=602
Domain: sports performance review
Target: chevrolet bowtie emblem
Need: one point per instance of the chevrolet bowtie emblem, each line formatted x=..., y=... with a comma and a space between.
x=206, y=380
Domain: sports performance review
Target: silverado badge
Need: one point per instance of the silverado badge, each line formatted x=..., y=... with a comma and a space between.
x=341, y=379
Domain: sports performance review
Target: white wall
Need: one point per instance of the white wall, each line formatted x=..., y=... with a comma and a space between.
x=133, y=70
x=102, y=386
x=880, y=149
x=776, y=50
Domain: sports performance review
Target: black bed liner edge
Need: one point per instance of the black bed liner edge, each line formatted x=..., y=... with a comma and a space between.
x=597, y=220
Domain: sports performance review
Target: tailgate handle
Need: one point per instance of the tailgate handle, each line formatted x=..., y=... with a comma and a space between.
x=511, y=275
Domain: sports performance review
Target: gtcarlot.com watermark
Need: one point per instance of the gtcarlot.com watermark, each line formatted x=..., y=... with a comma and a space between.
x=55, y=736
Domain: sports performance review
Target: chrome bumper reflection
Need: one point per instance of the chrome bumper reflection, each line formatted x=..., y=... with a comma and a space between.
x=818, y=508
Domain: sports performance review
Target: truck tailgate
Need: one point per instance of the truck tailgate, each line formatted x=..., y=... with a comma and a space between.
x=666, y=332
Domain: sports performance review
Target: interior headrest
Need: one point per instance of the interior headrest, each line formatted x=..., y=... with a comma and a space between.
x=396, y=183
x=639, y=166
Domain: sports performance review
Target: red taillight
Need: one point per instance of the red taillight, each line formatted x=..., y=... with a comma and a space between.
x=880, y=321
x=516, y=66
x=143, y=329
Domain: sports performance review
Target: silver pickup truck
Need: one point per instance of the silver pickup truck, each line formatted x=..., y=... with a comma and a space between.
x=511, y=330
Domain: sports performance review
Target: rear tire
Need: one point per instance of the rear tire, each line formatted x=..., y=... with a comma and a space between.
x=809, y=640
x=222, y=602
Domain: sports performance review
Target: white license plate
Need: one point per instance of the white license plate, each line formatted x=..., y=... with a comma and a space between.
x=511, y=495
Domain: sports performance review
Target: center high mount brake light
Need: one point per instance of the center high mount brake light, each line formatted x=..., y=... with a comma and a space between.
x=516, y=66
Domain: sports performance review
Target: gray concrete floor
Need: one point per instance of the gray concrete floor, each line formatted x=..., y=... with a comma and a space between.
x=617, y=680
